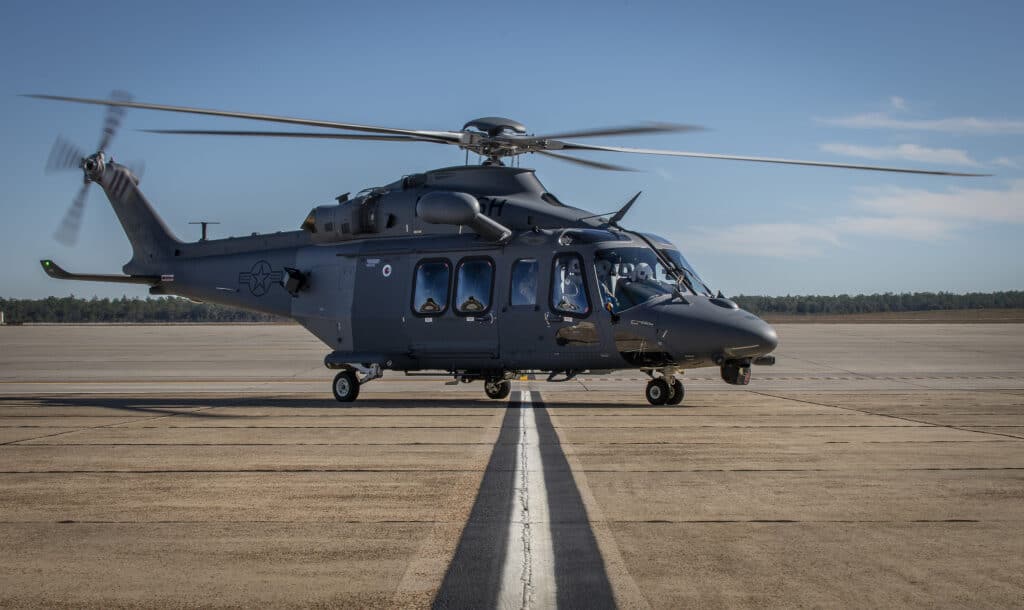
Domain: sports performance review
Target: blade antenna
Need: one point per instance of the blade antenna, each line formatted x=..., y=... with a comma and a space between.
x=614, y=220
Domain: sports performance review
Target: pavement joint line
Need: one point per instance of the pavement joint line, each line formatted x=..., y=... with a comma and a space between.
x=804, y=521
x=110, y=425
x=240, y=471
x=220, y=523
x=932, y=424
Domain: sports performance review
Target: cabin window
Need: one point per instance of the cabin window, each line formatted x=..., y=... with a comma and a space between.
x=568, y=288
x=430, y=295
x=473, y=283
x=524, y=283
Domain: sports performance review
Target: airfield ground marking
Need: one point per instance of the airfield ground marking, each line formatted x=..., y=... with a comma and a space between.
x=528, y=576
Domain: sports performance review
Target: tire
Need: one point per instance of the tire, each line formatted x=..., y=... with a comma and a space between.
x=677, y=393
x=345, y=386
x=496, y=390
x=657, y=391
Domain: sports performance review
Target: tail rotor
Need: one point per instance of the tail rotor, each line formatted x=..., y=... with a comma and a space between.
x=66, y=156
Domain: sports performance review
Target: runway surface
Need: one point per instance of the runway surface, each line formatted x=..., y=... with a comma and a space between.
x=875, y=465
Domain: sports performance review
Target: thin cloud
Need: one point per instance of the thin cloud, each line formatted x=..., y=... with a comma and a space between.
x=1006, y=162
x=981, y=205
x=898, y=102
x=959, y=125
x=905, y=227
x=780, y=240
x=892, y=213
x=903, y=152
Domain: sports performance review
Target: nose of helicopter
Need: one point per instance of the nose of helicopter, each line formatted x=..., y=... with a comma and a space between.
x=764, y=335
x=705, y=330
x=747, y=336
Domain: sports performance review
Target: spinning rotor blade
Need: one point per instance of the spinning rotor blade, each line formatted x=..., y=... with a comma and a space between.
x=677, y=153
x=297, y=134
x=67, y=233
x=448, y=136
x=587, y=162
x=647, y=128
x=64, y=155
x=113, y=119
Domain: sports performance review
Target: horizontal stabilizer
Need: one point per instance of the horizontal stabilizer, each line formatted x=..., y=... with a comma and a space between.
x=55, y=271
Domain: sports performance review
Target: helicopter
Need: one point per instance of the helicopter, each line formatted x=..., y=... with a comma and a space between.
x=475, y=270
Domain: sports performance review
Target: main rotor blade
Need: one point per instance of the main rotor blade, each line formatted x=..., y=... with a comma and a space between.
x=64, y=155
x=448, y=136
x=296, y=134
x=677, y=153
x=587, y=162
x=67, y=233
x=113, y=119
x=647, y=128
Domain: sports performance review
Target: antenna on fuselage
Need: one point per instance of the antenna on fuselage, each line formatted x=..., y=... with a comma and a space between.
x=614, y=220
x=204, y=224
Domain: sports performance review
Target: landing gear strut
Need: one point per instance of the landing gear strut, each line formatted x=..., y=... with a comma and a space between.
x=666, y=389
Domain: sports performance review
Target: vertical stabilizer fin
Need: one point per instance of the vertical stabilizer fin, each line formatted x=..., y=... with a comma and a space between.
x=152, y=242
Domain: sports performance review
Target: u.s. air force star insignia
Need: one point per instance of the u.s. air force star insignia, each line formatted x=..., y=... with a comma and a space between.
x=260, y=278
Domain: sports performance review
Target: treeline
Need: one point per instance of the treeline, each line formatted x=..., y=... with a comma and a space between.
x=873, y=303
x=123, y=310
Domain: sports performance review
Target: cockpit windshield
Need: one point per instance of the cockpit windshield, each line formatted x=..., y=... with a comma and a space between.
x=696, y=285
x=630, y=276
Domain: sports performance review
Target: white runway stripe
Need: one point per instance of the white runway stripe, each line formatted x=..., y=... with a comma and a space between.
x=528, y=578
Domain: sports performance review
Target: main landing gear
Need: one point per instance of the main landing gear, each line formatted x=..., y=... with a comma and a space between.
x=346, y=383
x=497, y=383
x=497, y=389
x=666, y=389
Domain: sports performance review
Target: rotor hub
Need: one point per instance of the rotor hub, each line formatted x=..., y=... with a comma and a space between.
x=93, y=166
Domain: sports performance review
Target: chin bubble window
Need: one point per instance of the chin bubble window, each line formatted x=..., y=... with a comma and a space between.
x=430, y=296
x=568, y=288
x=473, y=281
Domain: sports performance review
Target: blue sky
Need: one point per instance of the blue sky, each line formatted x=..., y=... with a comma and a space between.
x=923, y=84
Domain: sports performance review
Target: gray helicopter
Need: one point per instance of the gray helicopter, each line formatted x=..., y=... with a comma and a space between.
x=477, y=270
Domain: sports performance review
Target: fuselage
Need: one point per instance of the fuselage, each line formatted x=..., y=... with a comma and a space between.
x=395, y=278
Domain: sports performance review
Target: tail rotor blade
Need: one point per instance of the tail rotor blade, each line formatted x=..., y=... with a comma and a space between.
x=113, y=119
x=63, y=156
x=67, y=233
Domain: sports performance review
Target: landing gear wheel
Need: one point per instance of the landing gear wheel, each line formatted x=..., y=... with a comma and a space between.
x=345, y=386
x=677, y=393
x=657, y=392
x=497, y=390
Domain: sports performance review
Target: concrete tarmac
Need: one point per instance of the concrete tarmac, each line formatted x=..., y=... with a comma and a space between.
x=875, y=465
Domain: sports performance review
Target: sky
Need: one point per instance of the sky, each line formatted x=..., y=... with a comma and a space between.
x=933, y=85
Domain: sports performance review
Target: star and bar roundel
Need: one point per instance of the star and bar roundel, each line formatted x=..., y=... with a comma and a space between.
x=260, y=278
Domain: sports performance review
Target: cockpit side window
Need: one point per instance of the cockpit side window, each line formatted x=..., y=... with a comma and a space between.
x=568, y=286
x=474, y=280
x=430, y=294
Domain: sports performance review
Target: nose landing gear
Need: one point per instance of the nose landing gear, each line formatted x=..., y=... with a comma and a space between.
x=666, y=389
